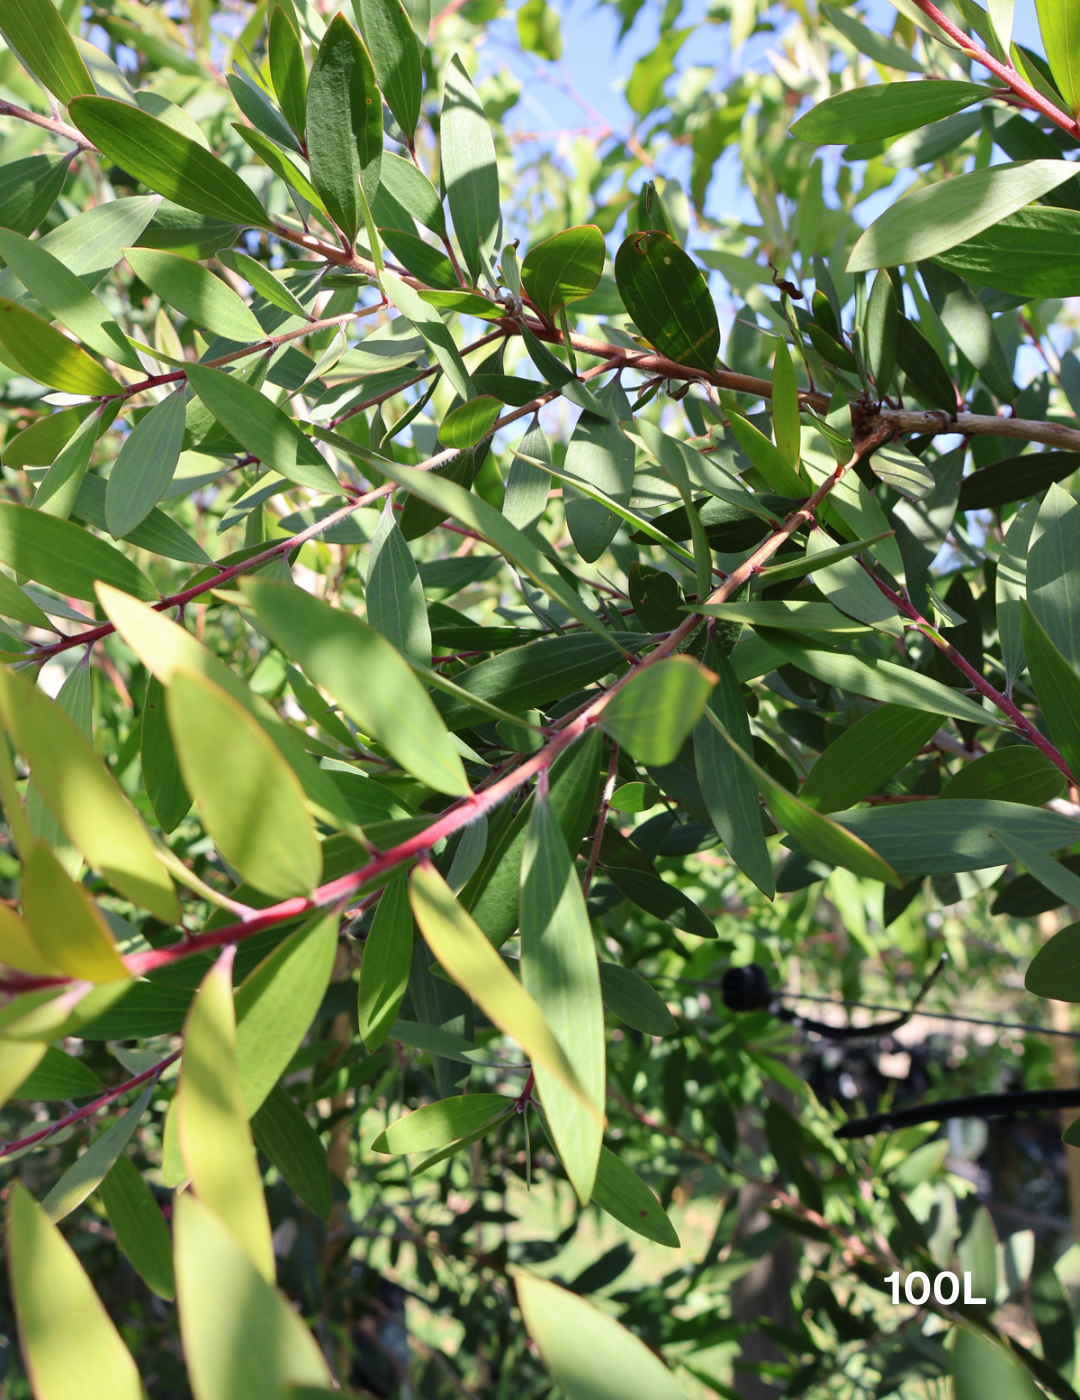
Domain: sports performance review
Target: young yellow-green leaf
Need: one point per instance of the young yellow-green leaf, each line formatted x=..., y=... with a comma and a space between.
x=284, y=1135
x=590, y=1355
x=214, y=1135
x=390, y=39
x=344, y=125
x=941, y=215
x=85, y=799
x=86, y=1173
x=139, y=1226
x=19, y=949
x=242, y=1339
x=262, y=427
x=657, y=708
x=196, y=293
x=867, y=755
x=1059, y=24
x=276, y=1004
x=476, y=967
x=144, y=465
x=726, y=784
x=882, y=110
x=787, y=428
x=821, y=836
x=395, y=596
x=288, y=72
x=48, y=357
x=18, y=1060
x=384, y=972
x=559, y=969
x=65, y=923
x=563, y=268
x=66, y=297
x=167, y=161
x=668, y=297
x=622, y=1193
x=438, y=1124
x=1057, y=688
x=71, y=1349
x=774, y=466
x=366, y=675
x=253, y=806
x=38, y=36
x=470, y=422
x=469, y=167
x=63, y=556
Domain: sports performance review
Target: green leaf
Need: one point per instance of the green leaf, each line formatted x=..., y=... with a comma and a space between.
x=66, y=297
x=414, y=192
x=58, y=1075
x=787, y=430
x=820, y=835
x=98, y=819
x=260, y=110
x=214, y=1136
x=1059, y=26
x=139, y=1227
x=464, y=303
x=1054, y=972
x=668, y=297
x=384, y=972
x=1053, y=587
x=344, y=125
x=435, y=332
x=628, y=996
x=470, y=169
x=441, y=1123
x=590, y=1355
x=144, y=465
x=284, y=1135
x=938, y=217
x=242, y=1339
x=878, y=680
x=882, y=110
x=254, y=809
x=726, y=783
x=1011, y=587
x=559, y=969
x=91, y=243
x=867, y=755
x=48, y=357
x=539, y=30
x=902, y=470
x=288, y=72
x=767, y=458
x=58, y=492
x=264, y=282
x=167, y=161
x=652, y=714
x=1015, y=479
x=277, y=1002
x=558, y=375
x=943, y=837
x=1052, y=1313
x=1050, y=873
x=162, y=778
x=527, y=487
x=366, y=675
x=265, y=430
x=601, y=455
x=1057, y=687
x=55, y=1303
x=196, y=294
x=881, y=329
x=29, y=188
x=36, y=33
x=281, y=165
x=470, y=422
x=389, y=35
x=661, y=900
x=922, y=366
x=983, y=1367
x=1032, y=253
x=395, y=595
x=476, y=967
x=1013, y=773
x=867, y=41
x=87, y=1172
x=563, y=268
x=623, y=1194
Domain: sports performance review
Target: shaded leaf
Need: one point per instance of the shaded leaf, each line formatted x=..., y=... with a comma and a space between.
x=666, y=294
x=867, y=755
x=139, y=1226
x=144, y=465
x=384, y=971
x=285, y=1136
x=622, y=1193
x=344, y=125
x=657, y=708
x=628, y=996
x=563, y=268
x=469, y=167
x=1013, y=773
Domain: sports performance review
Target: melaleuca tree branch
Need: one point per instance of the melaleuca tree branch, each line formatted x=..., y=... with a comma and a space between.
x=982, y=425
x=53, y=124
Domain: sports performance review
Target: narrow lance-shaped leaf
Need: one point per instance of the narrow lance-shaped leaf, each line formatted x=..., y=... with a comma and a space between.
x=36, y=33
x=48, y=357
x=195, y=293
x=284, y=1135
x=389, y=35
x=139, y=1226
x=527, y=486
x=86, y=1173
x=384, y=972
x=288, y=72
x=439, y=1124
x=559, y=968
x=144, y=465
x=344, y=125
x=1010, y=588
x=473, y=963
x=867, y=755
x=1057, y=688
x=601, y=455
x=657, y=708
x=1059, y=24
x=55, y=1304
x=470, y=169
x=65, y=923
x=883, y=110
x=395, y=596
x=787, y=429
x=214, y=1136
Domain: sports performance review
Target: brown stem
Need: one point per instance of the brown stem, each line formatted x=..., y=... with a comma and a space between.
x=981, y=425
x=53, y=124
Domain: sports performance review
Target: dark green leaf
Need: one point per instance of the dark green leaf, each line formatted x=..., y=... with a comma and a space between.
x=139, y=1226
x=527, y=487
x=36, y=33
x=384, y=972
x=867, y=755
x=1013, y=773
x=601, y=455
x=982, y=1367
x=623, y=1194
x=59, y=1076
x=1057, y=687
x=922, y=365
x=288, y=71
x=882, y=110
x=667, y=296
x=29, y=189
x=628, y=996
x=162, y=778
x=1032, y=253
x=1055, y=970
x=470, y=170
x=145, y=465
x=64, y=557
x=1016, y=479
x=389, y=36
x=661, y=900
x=344, y=125
x=285, y=1136
x=563, y=268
